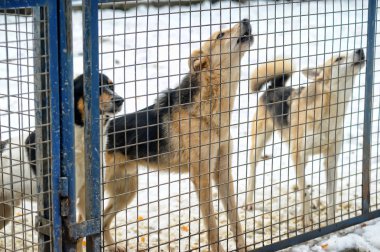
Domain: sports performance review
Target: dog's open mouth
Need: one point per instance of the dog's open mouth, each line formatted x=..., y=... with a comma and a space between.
x=246, y=37
x=359, y=62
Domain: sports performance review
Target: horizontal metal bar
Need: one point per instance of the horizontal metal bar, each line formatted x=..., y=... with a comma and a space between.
x=150, y=2
x=120, y=4
x=43, y=225
x=319, y=232
x=5, y=4
x=85, y=228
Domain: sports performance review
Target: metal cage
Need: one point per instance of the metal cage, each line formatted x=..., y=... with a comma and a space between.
x=184, y=134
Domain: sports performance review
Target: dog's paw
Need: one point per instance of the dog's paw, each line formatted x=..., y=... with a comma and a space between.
x=220, y=249
x=249, y=207
x=80, y=245
x=266, y=157
x=240, y=246
x=307, y=221
x=115, y=248
x=257, y=207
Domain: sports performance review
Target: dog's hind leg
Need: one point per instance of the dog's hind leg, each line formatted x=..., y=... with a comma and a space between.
x=121, y=184
x=201, y=178
x=224, y=180
x=262, y=130
x=298, y=157
x=7, y=207
x=330, y=163
x=6, y=213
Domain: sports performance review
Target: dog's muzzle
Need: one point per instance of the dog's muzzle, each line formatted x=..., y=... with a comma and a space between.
x=245, y=32
x=118, y=102
x=359, y=56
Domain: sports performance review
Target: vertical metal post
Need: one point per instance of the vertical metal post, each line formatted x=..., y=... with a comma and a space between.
x=367, y=129
x=42, y=98
x=68, y=197
x=55, y=125
x=91, y=128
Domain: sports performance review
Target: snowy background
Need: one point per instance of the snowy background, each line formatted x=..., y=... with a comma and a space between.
x=145, y=51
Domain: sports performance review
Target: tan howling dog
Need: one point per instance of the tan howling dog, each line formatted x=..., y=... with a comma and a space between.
x=310, y=118
x=185, y=131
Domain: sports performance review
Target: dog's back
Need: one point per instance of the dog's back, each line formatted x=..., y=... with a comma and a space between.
x=277, y=98
x=143, y=135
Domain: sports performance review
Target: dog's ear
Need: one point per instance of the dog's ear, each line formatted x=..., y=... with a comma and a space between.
x=198, y=61
x=313, y=73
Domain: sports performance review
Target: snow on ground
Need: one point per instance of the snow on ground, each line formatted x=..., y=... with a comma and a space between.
x=145, y=51
x=360, y=238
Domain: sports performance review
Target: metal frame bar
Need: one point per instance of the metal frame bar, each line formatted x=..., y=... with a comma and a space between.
x=367, y=129
x=320, y=232
x=4, y=4
x=41, y=102
x=91, y=125
x=67, y=192
x=55, y=127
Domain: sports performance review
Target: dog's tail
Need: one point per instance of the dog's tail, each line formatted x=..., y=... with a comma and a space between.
x=276, y=72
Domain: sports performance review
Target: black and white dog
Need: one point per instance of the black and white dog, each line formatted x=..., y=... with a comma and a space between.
x=18, y=154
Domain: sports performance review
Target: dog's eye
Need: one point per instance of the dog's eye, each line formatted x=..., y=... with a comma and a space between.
x=220, y=35
x=111, y=86
x=338, y=59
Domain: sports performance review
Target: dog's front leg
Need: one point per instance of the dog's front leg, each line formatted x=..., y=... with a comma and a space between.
x=81, y=207
x=121, y=184
x=224, y=181
x=330, y=163
x=201, y=177
x=6, y=208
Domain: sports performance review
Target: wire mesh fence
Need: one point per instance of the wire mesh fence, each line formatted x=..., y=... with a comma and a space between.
x=25, y=129
x=223, y=125
x=147, y=49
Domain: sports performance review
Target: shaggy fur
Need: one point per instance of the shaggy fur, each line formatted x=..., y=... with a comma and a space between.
x=185, y=131
x=310, y=118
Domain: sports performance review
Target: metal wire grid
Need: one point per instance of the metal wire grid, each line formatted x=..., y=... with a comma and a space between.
x=324, y=38
x=145, y=51
x=19, y=91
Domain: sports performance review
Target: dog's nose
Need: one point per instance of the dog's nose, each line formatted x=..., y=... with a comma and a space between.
x=118, y=101
x=245, y=21
x=247, y=25
x=361, y=53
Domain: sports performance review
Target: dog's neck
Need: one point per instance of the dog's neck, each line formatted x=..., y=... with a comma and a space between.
x=341, y=89
x=79, y=133
x=227, y=80
x=219, y=88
